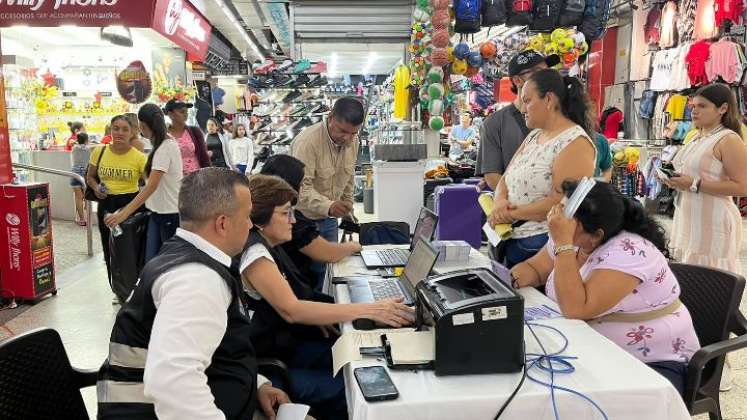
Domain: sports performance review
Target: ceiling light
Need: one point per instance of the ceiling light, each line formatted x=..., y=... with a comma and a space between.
x=372, y=56
x=332, y=67
x=232, y=17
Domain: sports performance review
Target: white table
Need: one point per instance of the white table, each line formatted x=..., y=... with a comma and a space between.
x=621, y=385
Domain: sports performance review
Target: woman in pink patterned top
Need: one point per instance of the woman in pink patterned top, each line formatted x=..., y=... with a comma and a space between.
x=190, y=139
x=608, y=265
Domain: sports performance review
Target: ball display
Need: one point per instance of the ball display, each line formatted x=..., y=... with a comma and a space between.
x=474, y=59
x=488, y=50
x=436, y=123
x=458, y=66
x=461, y=51
x=441, y=38
x=436, y=91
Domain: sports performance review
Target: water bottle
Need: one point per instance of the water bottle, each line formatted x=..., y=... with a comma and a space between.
x=116, y=230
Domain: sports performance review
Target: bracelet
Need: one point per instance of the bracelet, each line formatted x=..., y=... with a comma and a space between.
x=563, y=248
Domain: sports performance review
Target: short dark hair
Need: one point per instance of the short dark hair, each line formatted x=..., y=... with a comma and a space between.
x=268, y=192
x=290, y=169
x=349, y=109
x=208, y=193
x=82, y=138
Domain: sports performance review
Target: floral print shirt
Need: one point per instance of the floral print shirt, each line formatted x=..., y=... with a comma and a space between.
x=667, y=338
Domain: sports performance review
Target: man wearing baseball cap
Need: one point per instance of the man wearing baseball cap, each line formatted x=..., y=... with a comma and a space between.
x=503, y=132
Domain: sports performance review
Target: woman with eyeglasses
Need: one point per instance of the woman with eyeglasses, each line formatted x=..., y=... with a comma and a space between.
x=291, y=321
x=118, y=167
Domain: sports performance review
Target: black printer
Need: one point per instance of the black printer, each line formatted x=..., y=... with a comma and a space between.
x=479, y=322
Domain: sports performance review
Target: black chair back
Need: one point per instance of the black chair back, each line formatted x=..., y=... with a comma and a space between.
x=712, y=297
x=384, y=233
x=37, y=380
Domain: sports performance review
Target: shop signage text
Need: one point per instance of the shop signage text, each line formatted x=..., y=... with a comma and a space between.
x=182, y=23
x=37, y=4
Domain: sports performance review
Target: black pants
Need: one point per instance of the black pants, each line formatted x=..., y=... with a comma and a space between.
x=675, y=372
x=110, y=204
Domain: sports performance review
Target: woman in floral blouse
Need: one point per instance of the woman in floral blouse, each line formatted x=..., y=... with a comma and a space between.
x=608, y=265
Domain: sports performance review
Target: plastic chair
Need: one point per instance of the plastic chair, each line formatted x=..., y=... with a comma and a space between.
x=37, y=380
x=712, y=297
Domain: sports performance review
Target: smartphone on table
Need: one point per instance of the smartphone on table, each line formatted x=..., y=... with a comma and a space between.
x=375, y=383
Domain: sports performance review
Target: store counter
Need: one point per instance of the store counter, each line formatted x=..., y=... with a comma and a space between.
x=62, y=199
x=620, y=384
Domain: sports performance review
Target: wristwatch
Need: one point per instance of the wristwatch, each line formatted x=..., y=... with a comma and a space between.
x=695, y=187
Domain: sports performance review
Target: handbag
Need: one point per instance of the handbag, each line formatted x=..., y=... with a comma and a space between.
x=89, y=193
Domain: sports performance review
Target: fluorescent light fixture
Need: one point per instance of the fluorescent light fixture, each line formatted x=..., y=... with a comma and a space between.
x=372, y=56
x=232, y=17
x=332, y=66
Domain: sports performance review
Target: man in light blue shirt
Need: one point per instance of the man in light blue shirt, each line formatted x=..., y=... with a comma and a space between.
x=461, y=137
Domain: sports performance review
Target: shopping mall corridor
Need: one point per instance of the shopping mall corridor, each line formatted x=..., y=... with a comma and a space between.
x=83, y=314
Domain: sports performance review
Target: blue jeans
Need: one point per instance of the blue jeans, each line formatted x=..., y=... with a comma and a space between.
x=161, y=228
x=312, y=382
x=241, y=168
x=328, y=230
x=520, y=250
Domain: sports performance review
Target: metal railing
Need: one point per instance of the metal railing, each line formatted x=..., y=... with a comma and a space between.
x=73, y=175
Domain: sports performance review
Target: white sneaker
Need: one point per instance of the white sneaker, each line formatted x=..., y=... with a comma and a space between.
x=727, y=379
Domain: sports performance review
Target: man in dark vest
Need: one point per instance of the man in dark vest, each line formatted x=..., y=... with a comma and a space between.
x=180, y=345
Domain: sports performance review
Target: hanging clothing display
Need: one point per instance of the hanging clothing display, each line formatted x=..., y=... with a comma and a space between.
x=696, y=59
x=668, y=25
x=725, y=60
x=610, y=123
x=686, y=20
x=652, y=28
x=676, y=106
x=669, y=70
x=705, y=20
x=729, y=10
x=640, y=58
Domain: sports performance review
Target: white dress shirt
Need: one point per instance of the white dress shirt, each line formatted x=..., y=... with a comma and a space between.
x=189, y=325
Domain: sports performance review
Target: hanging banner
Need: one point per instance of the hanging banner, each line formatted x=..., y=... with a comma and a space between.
x=183, y=24
x=6, y=169
x=95, y=13
x=279, y=23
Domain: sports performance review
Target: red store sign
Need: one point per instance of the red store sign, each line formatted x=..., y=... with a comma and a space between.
x=177, y=20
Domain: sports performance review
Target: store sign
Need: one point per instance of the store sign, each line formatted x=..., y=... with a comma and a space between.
x=183, y=24
x=6, y=168
x=279, y=23
x=79, y=12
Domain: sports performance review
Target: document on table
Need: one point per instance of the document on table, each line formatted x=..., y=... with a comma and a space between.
x=292, y=411
x=347, y=348
x=535, y=313
x=413, y=348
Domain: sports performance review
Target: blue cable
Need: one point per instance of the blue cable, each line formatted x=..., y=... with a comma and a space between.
x=547, y=363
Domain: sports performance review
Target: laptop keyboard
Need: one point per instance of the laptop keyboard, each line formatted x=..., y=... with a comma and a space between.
x=393, y=257
x=385, y=290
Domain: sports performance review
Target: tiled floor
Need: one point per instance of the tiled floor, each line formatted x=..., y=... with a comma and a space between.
x=83, y=315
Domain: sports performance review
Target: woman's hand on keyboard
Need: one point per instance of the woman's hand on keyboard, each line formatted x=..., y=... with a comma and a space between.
x=391, y=312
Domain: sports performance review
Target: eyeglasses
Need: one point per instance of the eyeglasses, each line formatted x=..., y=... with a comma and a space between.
x=290, y=213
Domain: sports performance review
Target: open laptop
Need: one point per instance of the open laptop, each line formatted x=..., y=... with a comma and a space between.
x=425, y=228
x=419, y=265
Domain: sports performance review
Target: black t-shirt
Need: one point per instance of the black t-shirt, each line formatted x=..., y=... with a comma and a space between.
x=215, y=146
x=304, y=232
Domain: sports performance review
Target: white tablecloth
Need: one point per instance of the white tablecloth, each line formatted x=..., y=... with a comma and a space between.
x=621, y=385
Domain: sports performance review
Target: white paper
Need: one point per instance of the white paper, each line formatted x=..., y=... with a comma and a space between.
x=413, y=348
x=347, y=348
x=493, y=237
x=292, y=411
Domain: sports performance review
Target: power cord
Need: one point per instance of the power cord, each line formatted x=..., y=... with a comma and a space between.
x=552, y=363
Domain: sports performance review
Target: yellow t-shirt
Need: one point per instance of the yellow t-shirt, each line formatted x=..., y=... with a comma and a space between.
x=676, y=106
x=120, y=173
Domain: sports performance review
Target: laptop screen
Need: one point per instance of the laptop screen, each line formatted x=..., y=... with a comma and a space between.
x=420, y=263
x=426, y=226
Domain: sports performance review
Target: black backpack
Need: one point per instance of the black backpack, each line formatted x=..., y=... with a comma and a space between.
x=520, y=13
x=493, y=13
x=468, y=16
x=594, y=22
x=573, y=13
x=546, y=13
